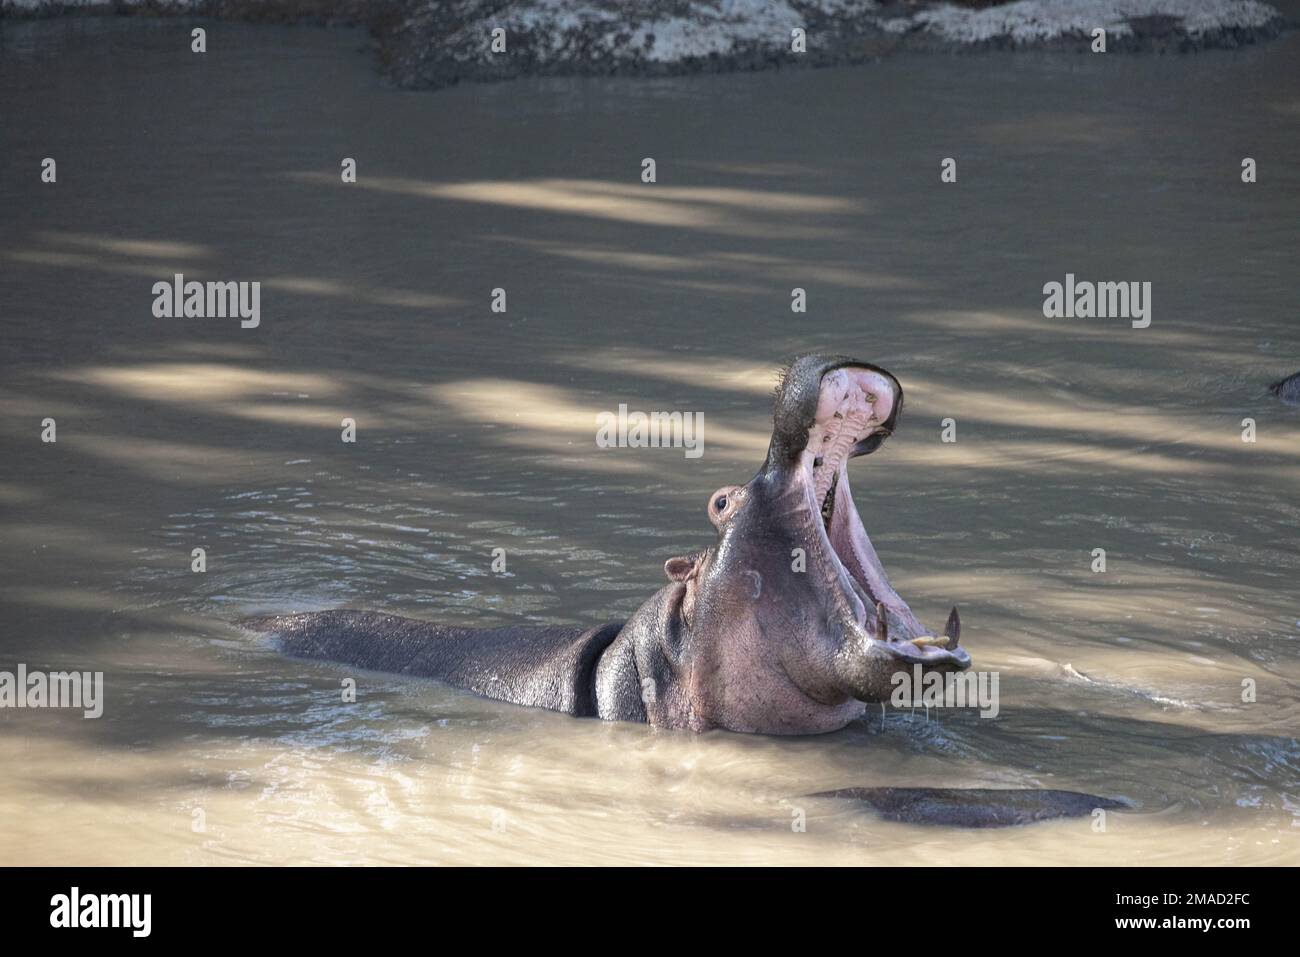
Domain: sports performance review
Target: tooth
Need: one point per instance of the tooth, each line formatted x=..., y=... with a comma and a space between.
x=940, y=640
x=953, y=628
x=882, y=623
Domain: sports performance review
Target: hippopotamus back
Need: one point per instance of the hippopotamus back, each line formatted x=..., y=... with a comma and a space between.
x=541, y=667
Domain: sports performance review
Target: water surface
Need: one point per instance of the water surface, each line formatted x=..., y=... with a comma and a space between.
x=476, y=432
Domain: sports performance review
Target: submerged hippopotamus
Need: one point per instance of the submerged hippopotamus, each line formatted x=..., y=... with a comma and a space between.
x=786, y=625
x=1288, y=389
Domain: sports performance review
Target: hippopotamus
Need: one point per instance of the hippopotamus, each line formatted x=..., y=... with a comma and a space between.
x=1288, y=389
x=786, y=624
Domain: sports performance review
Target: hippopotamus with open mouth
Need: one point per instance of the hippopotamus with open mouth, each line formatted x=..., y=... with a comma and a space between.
x=786, y=625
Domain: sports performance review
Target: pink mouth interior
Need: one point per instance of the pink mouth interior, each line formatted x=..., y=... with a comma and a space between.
x=855, y=403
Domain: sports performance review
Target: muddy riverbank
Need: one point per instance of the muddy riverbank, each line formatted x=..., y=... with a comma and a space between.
x=422, y=44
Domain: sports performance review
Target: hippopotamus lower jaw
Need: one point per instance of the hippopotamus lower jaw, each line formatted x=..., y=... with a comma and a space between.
x=871, y=652
x=881, y=622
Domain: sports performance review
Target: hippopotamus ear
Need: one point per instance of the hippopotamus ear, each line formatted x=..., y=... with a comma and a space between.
x=682, y=568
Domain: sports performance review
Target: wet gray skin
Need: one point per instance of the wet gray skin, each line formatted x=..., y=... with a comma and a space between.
x=974, y=807
x=787, y=625
x=1288, y=389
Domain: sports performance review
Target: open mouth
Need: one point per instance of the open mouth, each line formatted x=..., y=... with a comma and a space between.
x=855, y=407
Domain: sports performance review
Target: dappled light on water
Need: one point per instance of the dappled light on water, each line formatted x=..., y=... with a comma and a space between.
x=476, y=431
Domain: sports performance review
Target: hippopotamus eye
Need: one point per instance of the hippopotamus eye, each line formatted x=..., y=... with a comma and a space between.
x=724, y=503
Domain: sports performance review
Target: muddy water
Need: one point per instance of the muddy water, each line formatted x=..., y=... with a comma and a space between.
x=476, y=432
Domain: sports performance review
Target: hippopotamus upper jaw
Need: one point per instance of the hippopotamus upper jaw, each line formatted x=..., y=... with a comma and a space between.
x=815, y=387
